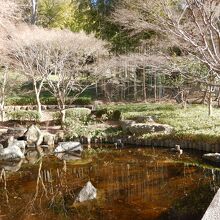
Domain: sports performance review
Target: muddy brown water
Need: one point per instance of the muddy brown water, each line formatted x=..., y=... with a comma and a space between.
x=132, y=184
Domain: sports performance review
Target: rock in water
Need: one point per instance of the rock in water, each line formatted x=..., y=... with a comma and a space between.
x=68, y=157
x=35, y=137
x=68, y=147
x=32, y=135
x=88, y=192
x=213, y=157
x=13, y=152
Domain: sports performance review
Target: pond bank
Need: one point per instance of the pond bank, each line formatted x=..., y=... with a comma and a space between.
x=164, y=141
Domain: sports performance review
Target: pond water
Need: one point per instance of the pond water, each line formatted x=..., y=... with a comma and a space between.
x=131, y=184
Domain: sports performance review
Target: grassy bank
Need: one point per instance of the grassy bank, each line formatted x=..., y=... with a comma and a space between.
x=191, y=123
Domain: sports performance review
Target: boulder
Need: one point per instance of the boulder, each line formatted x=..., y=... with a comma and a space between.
x=144, y=119
x=212, y=157
x=12, y=152
x=16, y=132
x=68, y=157
x=36, y=137
x=88, y=192
x=126, y=124
x=213, y=211
x=59, y=136
x=32, y=134
x=142, y=128
x=68, y=147
x=48, y=139
x=19, y=143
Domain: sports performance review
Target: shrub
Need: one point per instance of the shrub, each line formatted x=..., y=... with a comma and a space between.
x=23, y=115
x=83, y=101
x=48, y=101
x=115, y=115
x=80, y=114
x=21, y=101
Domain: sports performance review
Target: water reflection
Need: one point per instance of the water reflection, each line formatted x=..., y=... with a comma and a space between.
x=130, y=185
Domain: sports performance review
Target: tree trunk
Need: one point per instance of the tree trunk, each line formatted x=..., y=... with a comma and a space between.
x=135, y=86
x=155, y=87
x=37, y=94
x=210, y=102
x=62, y=110
x=144, y=87
x=2, y=109
x=204, y=96
x=34, y=11
x=63, y=116
x=3, y=88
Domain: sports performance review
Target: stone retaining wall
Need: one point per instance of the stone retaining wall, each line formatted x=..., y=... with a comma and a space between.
x=167, y=143
x=44, y=107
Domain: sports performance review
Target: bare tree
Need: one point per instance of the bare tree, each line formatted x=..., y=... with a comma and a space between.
x=73, y=59
x=34, y=11
x=129, y=72
x=25, y=50
x=62, y=60
x=193, y=24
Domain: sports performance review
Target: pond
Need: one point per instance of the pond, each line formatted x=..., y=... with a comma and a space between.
x=143, y=183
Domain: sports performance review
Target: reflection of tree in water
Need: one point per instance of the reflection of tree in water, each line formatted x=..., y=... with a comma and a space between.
x=122, y=186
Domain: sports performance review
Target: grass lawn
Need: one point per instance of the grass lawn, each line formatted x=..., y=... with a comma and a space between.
x=191, y=121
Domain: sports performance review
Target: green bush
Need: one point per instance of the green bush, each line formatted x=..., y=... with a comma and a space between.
x=27, y=100
x=23, y=115
x=83, y=101
x=74, y=114
x=115, y=115
x=21, y=101
x=48, y=101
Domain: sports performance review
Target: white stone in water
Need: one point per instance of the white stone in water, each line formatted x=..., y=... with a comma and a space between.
x=68, y=147
x=11, y=153
x=88, y=192
x=213, y=211
x=177, y=147
x=214, y=157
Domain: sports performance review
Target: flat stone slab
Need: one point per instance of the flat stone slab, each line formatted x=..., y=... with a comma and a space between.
x=213, y=157
x=213, y=211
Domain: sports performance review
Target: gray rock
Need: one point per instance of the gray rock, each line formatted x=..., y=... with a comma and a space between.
x=32, y=135
x=19, y=143
x=88, y=192
x=12, y=152
x=68, y=147
x=144, y=119
x=213, y=211
x=126, y=124
x=67, y=157
x=43, y=107
x=35, y=136
x=213, y=157
x=48, y=139
x=142, y=128
x=17, y=132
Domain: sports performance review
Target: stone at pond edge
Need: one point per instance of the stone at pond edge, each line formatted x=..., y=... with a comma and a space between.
x=68, y=147
x=213, y=211
x=88, y=192
x=213, y=157
x=142, y=128
x=12, y=152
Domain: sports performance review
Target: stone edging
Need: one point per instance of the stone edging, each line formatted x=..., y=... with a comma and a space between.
x=43, y=107
x=167, y=143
